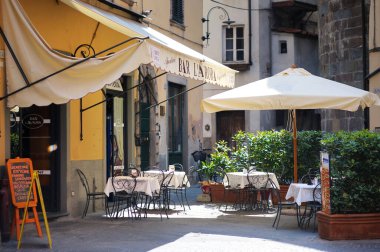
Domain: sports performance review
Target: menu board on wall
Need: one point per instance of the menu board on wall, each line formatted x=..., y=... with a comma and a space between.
x=20, y=172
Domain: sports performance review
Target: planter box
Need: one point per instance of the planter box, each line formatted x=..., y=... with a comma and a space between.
x=218, y=196
x=348, y=226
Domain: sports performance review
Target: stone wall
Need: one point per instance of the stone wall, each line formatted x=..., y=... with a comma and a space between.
x=341, y=55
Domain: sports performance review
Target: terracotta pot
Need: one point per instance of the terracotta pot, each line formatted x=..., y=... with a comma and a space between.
x=218, y=195
x=348, y=226
x=283, y=191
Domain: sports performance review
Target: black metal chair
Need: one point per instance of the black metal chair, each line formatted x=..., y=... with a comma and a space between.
x=309, y=176
x=275, y=192
x=125, y=198
x=162, y=197
x=181, y=190
x=251, y=192
x=90, y=195
x=222, y=177
x=311, y=209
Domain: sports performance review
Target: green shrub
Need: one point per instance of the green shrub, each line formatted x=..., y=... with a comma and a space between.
x=355, y=171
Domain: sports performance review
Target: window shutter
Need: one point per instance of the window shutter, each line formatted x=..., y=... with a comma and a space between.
x=177, y=11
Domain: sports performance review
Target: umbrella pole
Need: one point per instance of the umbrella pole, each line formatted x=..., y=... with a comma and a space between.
x=295, y=148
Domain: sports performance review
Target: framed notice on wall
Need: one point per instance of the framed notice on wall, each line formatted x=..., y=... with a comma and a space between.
x=20, y=171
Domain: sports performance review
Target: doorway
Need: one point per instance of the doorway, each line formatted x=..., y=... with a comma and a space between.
x=35, y=134
x=116, y=127
x=228, y=123
x=175, y=123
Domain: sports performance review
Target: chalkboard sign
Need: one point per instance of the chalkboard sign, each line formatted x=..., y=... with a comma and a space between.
x=20, y=172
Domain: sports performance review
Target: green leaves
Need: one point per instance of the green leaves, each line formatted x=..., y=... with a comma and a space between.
x=355, y=167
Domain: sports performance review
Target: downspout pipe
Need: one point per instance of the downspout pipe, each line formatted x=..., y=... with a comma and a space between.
x=365, y=58
x=250, y=31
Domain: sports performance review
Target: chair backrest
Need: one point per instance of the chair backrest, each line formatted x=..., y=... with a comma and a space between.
x=309, y=176
x=124, y=184
x=317, y=193
x=275, y=191
x=258, y=182
x=167, y=178
x=84, y=181
x=134, y=172
x=178, y=167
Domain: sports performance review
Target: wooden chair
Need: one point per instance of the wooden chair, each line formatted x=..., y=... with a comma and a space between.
x=89, y=195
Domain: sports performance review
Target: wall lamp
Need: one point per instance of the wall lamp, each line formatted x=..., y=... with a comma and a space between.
x=221, y=17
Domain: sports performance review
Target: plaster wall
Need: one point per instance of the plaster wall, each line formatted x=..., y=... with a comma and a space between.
x=374, y=62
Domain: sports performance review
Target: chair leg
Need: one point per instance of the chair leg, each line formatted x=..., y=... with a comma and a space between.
x=186, y=199
x=86, y=207
x=279, y=216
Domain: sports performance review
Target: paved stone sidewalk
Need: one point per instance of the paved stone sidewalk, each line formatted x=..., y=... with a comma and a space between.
x=203, y=228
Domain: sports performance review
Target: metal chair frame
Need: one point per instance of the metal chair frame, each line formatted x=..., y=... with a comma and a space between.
x=90, y=195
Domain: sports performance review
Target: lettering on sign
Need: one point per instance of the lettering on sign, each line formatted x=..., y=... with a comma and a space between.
x=20, y=176
x=33, y=121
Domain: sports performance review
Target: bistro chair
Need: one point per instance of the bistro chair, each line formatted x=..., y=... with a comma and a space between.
x=181, y=190
x=275, y=192
x=309, y=176
x=311, y=208
x=90, y=195
x=124, y=197
x=162, y=197
x=251, y=191
x=222, y=176
x=261, y=185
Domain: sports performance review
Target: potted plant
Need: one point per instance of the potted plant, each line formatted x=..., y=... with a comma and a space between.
x=219, y=160
x=355, y=186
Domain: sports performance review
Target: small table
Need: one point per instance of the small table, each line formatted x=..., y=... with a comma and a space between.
x=147, y=185
x=301, y=193
x=258, y=179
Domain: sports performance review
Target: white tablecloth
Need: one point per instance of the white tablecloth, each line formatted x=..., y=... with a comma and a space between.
x=258, y=179
x=146, y=185
x=301, y=193
x=179, y=177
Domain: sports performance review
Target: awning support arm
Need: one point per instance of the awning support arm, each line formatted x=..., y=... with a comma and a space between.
x=369, y=76
x=70, y=66
x=14, y=58
x=105, y=100
x=171, y=97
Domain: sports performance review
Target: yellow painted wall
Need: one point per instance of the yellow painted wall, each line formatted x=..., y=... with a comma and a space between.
x=65, y=29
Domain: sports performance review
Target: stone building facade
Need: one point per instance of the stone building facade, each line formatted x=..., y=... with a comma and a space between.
x=343, y=54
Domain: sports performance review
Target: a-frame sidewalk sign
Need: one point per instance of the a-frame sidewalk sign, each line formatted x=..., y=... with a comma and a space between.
x=23, y=182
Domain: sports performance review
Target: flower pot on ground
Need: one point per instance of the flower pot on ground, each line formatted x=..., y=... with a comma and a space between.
x=348, y=226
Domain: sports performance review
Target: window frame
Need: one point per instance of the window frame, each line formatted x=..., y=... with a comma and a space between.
x=234, y=47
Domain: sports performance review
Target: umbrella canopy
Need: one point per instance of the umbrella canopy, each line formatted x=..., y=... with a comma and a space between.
x=293, y=88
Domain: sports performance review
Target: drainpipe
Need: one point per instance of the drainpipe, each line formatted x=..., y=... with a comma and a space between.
x=250, y=32
x=365, y=58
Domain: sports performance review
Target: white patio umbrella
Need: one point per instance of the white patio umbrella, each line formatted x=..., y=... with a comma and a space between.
x=293, y=88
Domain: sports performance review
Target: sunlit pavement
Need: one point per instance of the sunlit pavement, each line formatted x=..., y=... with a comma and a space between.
x=203, y=228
